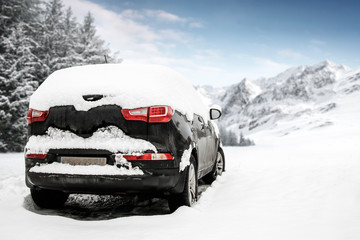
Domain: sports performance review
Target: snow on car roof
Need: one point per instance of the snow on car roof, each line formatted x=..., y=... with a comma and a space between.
x=126, y=85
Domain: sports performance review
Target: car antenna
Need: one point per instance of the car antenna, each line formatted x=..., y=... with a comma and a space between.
x=105, y=59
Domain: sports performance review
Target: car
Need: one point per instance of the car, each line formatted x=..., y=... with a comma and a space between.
x=120, y=129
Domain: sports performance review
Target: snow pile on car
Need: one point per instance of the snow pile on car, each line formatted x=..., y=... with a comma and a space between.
x=185, y=159
x=127, y=85
x=109, y=138
x=60, y=168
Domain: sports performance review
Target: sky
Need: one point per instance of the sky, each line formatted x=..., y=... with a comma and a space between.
x=221, y=42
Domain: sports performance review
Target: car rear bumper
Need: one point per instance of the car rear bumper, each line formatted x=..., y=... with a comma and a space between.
x=170, y=182
x=157, y=176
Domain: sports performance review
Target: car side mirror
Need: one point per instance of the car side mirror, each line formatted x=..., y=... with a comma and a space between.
x=215, y=112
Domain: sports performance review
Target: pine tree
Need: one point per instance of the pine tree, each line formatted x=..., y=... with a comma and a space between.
x=91, y=47
x=21, y=83
x=232, y=139
x=69, y=56
x=19, y=69
x=228, y=137
x=52, y=37
x=13, y=12
x=245, y=141
x=36, y=40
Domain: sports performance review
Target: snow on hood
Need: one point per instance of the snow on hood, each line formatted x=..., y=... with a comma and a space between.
x=108, y=138
x=126, y=85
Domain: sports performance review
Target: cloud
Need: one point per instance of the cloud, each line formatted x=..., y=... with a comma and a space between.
x=132, y=14
x=160, y=16
x=211, y=69
x=114, y=28
x=269, y=63
x=196, y=25
x=154, y=36
x=207, y=54
x=178, y=36
x=317, y=47
x=288, y=53
x=268, y=67
x=163, y=16
x=126, y=32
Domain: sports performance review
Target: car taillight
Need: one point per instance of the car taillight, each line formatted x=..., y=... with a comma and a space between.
x=160, y=114
x=41, y=156
x=154, y=114
x=36, y=116
x=138, y=114
x=149, y=156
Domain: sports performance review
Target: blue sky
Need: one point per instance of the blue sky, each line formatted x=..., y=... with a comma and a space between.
x=221, y=42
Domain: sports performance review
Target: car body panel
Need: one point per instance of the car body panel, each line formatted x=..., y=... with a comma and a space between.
x=174, y=137
x=82, y=111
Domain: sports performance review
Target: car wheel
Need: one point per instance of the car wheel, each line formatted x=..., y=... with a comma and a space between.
x=218, y=169
x=189, y=195
x=48, y=198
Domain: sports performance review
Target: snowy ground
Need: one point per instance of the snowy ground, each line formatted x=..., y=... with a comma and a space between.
x=305, y=185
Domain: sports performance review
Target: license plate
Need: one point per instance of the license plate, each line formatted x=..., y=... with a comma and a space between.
x=83, y=161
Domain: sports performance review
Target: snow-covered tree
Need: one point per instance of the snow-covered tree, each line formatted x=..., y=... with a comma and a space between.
x=245, y=141
x=37, y=38
x=19, y=70
x=91, y=47
x=24, y=70
x=52, y=36
x=228, y=137
x=69, y=56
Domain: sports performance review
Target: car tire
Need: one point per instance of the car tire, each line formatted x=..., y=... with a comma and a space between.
x=190, y=193
x=219, y=168
x=48, y=198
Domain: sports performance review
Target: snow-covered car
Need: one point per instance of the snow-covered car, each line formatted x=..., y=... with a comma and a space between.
x=120, y=128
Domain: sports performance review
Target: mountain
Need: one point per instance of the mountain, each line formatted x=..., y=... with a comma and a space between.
x=297, y=98
x=238, y=96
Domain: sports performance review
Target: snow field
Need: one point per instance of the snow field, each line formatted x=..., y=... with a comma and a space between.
x=302, y=186
x=291, y=194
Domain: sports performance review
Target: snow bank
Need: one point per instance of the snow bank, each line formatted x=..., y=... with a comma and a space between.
x=108, y=138
x=61, y=168
x=126, y=85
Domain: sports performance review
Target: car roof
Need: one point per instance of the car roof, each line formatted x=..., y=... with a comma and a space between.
x=128, y=85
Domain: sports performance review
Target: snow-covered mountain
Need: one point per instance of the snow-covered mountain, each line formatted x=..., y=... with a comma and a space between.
x=238, y=96
x=301, y=96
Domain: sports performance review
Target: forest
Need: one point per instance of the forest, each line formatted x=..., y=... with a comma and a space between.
x=38, y=38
